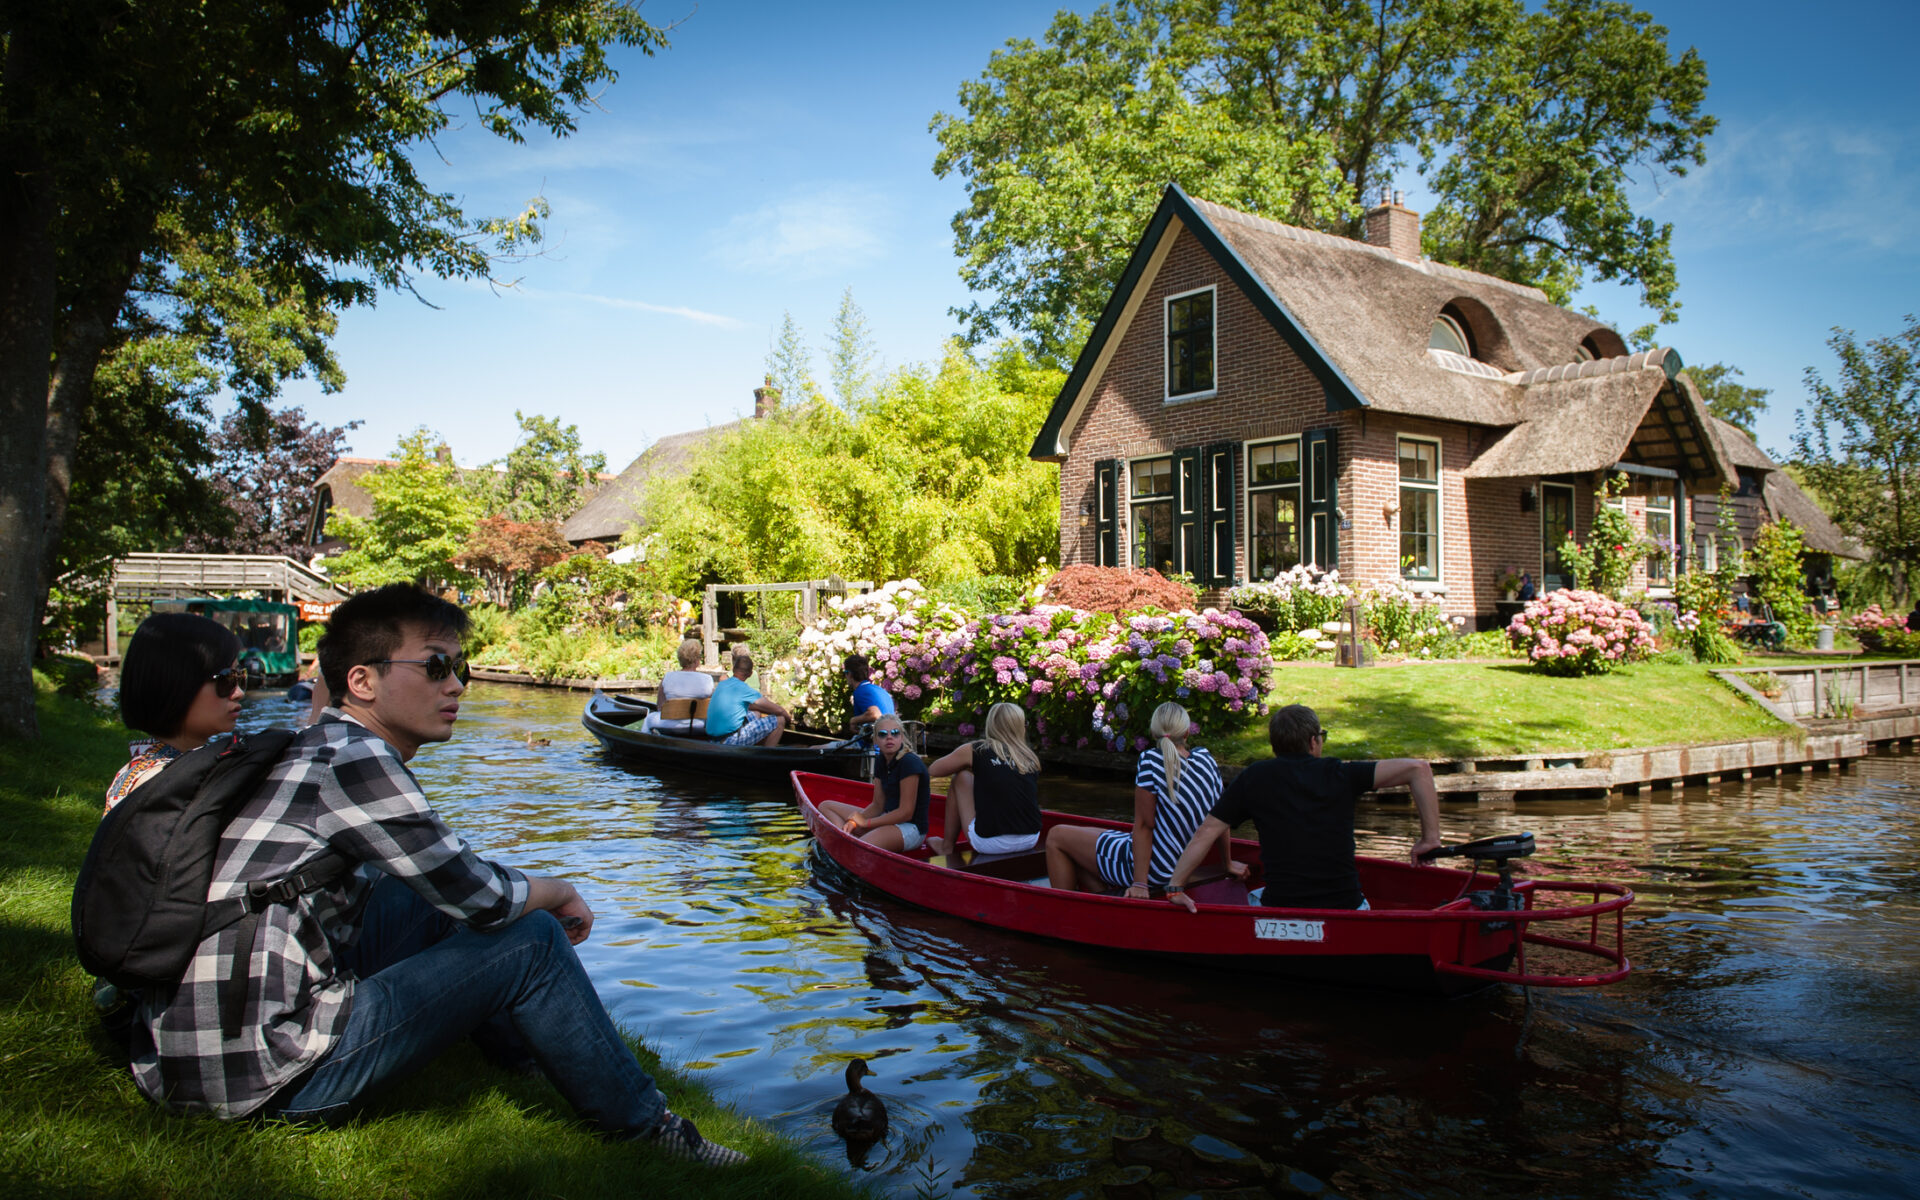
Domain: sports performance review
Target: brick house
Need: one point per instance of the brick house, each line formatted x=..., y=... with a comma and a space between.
x=1257, y=395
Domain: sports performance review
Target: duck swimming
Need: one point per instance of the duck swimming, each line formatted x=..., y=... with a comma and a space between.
x=860, y=1116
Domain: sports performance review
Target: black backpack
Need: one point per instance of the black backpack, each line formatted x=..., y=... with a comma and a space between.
x=140, y=906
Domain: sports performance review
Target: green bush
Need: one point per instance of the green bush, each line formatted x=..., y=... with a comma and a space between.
x=310, y=635
x=1779, y=577
x=1294, y=646
x=982, y=595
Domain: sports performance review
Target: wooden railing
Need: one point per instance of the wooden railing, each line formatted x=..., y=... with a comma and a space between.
x=1840, y=690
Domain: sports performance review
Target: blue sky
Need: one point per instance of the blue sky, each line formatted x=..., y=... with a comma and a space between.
x=778, y=153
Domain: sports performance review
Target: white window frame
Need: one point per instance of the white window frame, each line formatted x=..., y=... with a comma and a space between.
x=1663, y=504
x=1439, y=508
x=1171, y=500
x=1247, y=490
x=1166, y=344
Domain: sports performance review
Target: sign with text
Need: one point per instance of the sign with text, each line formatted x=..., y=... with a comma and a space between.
x=1290, y=931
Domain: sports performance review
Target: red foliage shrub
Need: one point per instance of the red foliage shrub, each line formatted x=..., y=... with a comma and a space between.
x=1116, y=590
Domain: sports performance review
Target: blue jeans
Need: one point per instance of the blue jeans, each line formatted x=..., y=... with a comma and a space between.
x=425, y=982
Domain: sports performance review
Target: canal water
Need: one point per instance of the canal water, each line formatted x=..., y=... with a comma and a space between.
x=1767, y=1044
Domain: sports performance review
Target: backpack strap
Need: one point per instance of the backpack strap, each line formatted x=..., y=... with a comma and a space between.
x=245, y=910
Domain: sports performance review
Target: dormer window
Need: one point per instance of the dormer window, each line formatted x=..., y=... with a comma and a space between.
x=1448, y=334
x=1190, y=345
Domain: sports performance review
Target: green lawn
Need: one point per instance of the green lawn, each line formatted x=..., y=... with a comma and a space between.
x=72, y=1124
x=1498, y=709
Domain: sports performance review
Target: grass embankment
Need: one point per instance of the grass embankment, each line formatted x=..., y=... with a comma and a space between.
x=1494, y=710
x=72, y=1124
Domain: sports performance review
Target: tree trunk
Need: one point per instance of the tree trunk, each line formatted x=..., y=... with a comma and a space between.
x=28, y=272
x=69, y=398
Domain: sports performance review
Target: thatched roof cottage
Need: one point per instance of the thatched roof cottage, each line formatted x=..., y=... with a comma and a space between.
x=1257, y=395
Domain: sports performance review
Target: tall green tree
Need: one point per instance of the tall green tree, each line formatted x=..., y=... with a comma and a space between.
x=281, y=133
x=1525, y=123
x=790, y=364
x=928, y=477
x=1731, y=401
x=545, y=477
x=1857, y=440
x=423, y=517
x=852, y=367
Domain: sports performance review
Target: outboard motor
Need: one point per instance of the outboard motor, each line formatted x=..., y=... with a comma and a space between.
x=1499, y=851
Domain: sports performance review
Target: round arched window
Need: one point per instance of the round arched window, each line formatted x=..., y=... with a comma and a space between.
x=1447, y=334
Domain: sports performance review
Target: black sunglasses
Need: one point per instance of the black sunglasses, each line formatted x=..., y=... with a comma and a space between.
x=438, y=666
x=1322, y=733
x=227, y=682
x=889, y=733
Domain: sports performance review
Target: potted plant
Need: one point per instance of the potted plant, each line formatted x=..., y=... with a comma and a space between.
x=1509, y=585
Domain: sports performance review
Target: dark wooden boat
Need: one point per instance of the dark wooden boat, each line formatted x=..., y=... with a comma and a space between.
x=615, y=720
x=1431, y=929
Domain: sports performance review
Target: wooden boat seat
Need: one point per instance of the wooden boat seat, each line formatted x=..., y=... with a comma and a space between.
x=682, y=717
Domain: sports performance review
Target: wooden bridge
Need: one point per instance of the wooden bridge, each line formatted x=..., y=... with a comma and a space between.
x=174, y=576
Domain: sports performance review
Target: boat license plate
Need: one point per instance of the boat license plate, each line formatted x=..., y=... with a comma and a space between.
x=1290, y=931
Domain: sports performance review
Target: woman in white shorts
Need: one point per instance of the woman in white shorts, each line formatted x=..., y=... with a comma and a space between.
x=995, y=791
x=897, y=817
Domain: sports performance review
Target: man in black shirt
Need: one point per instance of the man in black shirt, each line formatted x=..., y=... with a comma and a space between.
x=1302, y=805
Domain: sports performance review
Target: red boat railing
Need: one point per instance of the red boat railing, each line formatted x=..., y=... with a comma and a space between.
x=1608, y=899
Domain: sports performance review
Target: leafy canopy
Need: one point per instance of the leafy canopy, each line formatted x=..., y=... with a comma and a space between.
x=421, y=520
x=1733, y=402
x=1525, y=125
x=545, y=477
x=1858, y=444
x=926, y=477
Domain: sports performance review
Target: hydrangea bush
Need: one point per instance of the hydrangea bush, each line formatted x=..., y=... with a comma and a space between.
x=1878, y=630
x=1579, y=632
x=1302, y=597
x=1084, y=678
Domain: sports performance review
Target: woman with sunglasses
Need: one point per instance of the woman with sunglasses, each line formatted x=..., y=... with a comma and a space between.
x=179, y=682
x=897, y=818
x=995, y=793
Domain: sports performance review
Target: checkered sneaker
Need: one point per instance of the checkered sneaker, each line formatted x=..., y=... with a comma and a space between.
x=678, y=1137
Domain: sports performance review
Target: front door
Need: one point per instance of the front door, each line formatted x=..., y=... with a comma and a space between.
x=1556, y=523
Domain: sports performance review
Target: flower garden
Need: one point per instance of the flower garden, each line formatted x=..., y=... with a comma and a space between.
x=1085, y=678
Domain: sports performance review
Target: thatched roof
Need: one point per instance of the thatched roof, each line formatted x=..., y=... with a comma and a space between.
x=1592, y=415
x=1371, y=311
x=1784, y=499
x=343, y=481
x=614, y=509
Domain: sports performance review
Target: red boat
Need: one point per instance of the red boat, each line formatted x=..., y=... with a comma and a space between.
x=1431, y=929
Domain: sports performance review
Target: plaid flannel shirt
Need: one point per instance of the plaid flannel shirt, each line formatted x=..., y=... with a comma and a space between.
x=338, y=787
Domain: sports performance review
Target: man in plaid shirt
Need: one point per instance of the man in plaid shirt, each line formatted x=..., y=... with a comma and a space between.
x=420, y=944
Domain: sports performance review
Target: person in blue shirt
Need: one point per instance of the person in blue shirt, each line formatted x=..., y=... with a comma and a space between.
x=738, y=715
x=870, y=700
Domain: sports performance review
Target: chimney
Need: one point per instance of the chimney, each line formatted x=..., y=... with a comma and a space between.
x=766, y=399
x=1393, y=226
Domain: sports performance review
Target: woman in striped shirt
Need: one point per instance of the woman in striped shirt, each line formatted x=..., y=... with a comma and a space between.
x=1175, y=787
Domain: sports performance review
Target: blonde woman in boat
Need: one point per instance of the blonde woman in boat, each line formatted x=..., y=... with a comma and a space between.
x=994, y=793
x=1175, y=786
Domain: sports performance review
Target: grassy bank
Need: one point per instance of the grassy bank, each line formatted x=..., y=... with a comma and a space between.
x=72, y=1124
x=1494, y=709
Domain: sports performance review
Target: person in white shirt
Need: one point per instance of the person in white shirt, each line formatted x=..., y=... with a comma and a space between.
x=684, y=684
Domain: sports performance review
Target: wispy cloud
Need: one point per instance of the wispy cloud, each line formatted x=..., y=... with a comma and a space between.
x=1829, y=188
x=671, y=310
x=809, y=232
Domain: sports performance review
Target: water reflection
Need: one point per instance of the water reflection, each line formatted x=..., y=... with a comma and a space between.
x=1765, y=1044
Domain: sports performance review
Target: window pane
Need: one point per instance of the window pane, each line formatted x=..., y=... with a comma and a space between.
x=1190, y=344
x=1273, y=542
x=1153, y=536
x=1418, y=461
x=1419, y=533
x=1152, y=477
x=1274, y=462
x=1446, y=335
x=1660, y=532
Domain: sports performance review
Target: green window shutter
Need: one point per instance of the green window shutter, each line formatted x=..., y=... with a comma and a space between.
x=1218, y=501
x=1189, y=515
x=1106, y=507
x=1322, y=501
